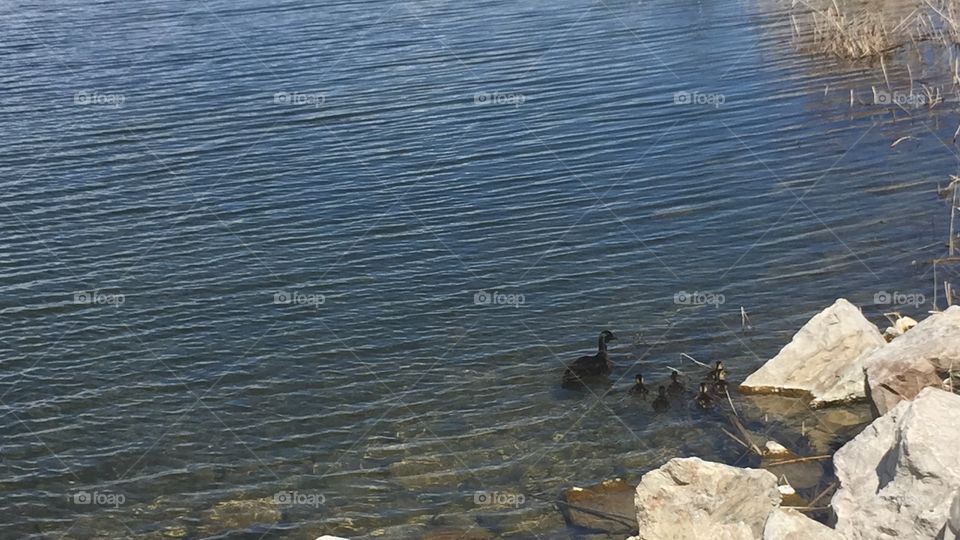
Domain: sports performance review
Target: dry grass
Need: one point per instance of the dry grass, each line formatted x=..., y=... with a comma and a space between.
x=843, y=33
x=859, y=33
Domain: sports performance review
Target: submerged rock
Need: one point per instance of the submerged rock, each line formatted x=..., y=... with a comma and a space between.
x=914, y=360
x=823, y=360
x=789, y=524
x=473, y=533
x=607, y=506
x=801, y=475
x=899, y=476
x=240, y=514
x=689, y=497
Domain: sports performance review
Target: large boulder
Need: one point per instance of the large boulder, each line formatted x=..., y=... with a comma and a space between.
x=824, y=360
x=789, y=524
x=689, y=497
x=952, y=531
x=915, y=360
x=607, y=507
x=898, y=477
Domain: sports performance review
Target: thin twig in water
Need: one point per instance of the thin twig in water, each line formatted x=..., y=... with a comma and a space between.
x=953, y=208
x=730, y=400
x=734, y=437
x=814, y=500
x=808, y=508
x=900, y=140
x=694, y=360
x=735, y=420
x=800, y=460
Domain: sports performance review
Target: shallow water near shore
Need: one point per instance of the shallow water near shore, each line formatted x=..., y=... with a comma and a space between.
x=343, y=252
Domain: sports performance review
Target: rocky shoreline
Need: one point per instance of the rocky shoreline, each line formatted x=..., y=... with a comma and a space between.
x=899, y=478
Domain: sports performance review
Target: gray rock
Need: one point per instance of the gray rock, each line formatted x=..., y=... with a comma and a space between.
x=688, y=497
x=824, y=360
x=914, y=360
x=952, y=531
x=898, y=477
x=789, y=524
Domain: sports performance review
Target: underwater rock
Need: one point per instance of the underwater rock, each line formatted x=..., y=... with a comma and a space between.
x=240, y=514
x=899, y=476
x=474, y=533
x=774, y=450
x=823, y=360
x=914, y=360
x=688, y=496
x=421, y=473
x=607, y=506
x=789, y=524
x=800, y=475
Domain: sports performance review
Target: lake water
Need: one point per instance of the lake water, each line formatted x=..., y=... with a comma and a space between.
x=343, y=251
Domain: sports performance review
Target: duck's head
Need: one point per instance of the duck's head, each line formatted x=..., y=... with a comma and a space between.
x=674, y=375
x=719, y=366
x=607, y=336
x=639, y=378
x=703, y=388
x=662, y=391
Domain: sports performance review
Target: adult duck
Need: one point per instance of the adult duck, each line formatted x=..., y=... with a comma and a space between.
x=591, y=366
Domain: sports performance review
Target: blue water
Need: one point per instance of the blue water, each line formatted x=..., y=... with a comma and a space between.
x=168, y=168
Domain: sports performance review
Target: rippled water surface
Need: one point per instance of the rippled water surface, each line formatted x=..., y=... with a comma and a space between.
x=173, y=172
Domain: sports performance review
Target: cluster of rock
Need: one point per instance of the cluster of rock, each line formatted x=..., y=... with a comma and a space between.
x=899, y=478
x=840, y=357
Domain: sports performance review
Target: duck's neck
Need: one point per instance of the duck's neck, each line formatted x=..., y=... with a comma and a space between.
x=601, y=344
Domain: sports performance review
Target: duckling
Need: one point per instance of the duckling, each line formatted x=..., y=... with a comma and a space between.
x=720, y=383
x=588, y=366
x=661, y=404
x=640, y=389
x=716, y=372
x=703, y=399
x=676, y=387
